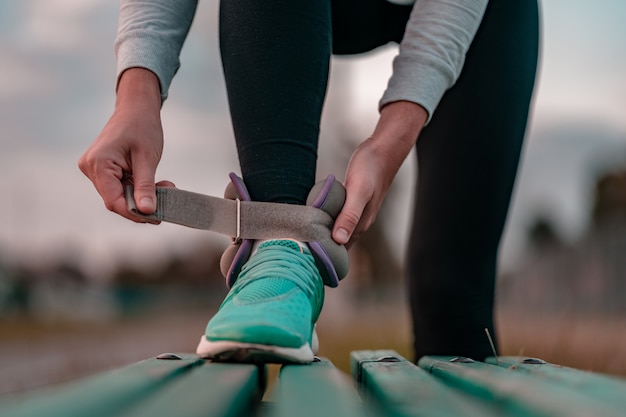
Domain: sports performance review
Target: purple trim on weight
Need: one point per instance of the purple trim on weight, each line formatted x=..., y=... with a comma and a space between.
x=240, y=187
x=323, y=195
x=240, y=258
x=332, y=278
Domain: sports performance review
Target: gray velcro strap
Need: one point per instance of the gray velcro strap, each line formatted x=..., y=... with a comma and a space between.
x=234, y=218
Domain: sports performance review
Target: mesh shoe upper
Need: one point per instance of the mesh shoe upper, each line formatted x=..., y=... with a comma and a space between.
x=276, y=299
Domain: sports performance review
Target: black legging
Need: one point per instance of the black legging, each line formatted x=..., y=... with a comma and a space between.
x=276, y=55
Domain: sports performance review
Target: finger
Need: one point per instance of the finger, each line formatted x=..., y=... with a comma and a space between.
x=166, y=183
x=111, y=190
x=120, y=207
x=143, y=172
x=349, y=217
x=106, y=177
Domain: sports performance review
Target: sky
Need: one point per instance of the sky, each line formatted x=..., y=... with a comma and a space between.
x=57, y=91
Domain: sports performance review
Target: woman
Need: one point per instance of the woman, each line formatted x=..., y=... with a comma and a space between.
x=462, y=83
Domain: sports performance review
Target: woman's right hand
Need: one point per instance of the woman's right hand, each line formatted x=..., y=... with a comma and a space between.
x=129, y=147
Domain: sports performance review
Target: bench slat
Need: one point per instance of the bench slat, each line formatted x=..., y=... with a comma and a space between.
x=102, y=395
x=517, y=393
x=402, y=389
x=209, y=390
x=601, y=387
x=314, y=390
x=185, y=387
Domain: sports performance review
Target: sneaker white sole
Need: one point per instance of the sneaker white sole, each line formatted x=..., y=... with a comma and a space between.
x=229, y=351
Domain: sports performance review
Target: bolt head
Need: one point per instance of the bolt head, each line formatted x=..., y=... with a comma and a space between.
x=461, y=359
x=533, y=361
x=169, y=357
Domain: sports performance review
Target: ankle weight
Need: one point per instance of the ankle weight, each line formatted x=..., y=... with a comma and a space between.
x=330, y=257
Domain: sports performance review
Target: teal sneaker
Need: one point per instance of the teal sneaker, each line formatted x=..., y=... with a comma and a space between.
x=270, y=312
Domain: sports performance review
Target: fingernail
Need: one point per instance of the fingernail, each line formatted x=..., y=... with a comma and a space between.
x=342, y=235
x=147, y=202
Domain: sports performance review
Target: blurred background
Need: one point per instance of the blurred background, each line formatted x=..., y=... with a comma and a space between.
x=82, y=290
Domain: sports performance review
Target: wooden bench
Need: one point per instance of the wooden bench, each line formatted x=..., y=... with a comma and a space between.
x=383, y=383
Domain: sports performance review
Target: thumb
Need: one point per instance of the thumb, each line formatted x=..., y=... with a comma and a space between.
x=348, y=219
x=145, y=189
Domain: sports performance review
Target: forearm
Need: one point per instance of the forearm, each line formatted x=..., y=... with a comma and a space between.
x=151, y=35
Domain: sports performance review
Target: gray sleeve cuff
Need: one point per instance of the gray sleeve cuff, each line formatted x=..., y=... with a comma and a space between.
x=151, y=35
x=147, y=50
x=418, y=81
x=432, y=53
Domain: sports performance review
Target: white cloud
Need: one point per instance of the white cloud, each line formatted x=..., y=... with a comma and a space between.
x=58, y=24
x=19, y=77
x=583, y=61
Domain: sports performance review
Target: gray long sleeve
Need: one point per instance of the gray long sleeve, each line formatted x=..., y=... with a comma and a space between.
x=151, y=34
x=432, y=53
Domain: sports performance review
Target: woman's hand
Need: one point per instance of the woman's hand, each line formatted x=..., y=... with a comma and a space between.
x=374, y=165
x=129, y=147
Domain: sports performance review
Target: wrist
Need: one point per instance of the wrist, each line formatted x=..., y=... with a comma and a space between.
x=138, y=88
x=402, y=119
x=399, y=126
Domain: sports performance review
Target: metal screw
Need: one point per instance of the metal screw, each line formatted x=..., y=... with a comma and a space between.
x=387, y=359
x=534, y=361
x=461, y=359
x=169, y=357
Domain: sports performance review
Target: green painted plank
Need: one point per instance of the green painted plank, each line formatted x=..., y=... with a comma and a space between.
x=103, y=395
x=401, y=389
x=185, y=387
x=315, y=390
x=598, y=386
x=518, y=393
x=209, y=390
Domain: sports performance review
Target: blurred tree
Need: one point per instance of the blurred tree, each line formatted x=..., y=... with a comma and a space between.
x=542, y=234
x=609, y=208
